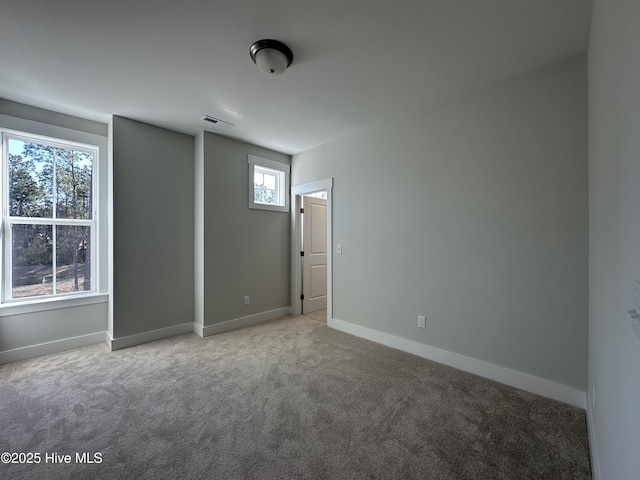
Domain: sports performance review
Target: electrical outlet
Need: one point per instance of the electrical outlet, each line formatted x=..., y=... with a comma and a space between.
x=247, y=300
x=422, y=321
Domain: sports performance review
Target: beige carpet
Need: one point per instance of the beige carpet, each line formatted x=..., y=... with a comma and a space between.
x=289, y=398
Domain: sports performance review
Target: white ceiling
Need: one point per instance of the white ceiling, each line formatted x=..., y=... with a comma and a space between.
x=355, y=62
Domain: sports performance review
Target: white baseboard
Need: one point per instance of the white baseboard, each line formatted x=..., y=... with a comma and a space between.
x=198, y=329
x=593, y=445
x=48, y=348
x=151, y=336
x=523, y=381
x=240, y=322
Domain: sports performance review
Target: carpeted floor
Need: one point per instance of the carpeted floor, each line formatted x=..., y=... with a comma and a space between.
x=289, y=398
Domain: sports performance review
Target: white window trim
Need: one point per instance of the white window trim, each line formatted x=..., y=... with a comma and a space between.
x=11, y=306
x=254, y=161
x=52, y=303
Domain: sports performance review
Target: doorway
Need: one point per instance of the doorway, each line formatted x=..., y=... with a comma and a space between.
x=311, y=271
x=313, y=256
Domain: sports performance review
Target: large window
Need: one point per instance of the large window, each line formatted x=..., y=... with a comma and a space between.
x=268, y=184
x=48, y=217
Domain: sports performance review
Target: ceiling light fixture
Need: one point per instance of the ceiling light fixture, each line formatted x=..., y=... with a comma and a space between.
x=271, y=56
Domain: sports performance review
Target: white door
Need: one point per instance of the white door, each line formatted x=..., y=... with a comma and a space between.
x=314, y=261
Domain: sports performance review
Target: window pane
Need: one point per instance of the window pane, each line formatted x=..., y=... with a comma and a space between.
x=73, y=183
x=32, y=268
x=73, y=259
x=261, y=194
x=265, y=188
x=270, y=182
x=30, y=179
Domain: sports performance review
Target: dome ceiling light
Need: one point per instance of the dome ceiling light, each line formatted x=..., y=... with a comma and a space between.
x=271, y=56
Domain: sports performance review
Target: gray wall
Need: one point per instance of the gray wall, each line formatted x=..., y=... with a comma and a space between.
x=247, y=251
x=36, y=328
x=153, y=228
x=614, y=240
x=58, y=324
x=54, y=119
x=474, y=215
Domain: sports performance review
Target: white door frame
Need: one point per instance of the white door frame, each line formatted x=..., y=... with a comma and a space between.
x=296, y=278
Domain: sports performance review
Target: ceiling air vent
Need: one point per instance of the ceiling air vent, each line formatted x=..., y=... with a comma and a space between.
x=217, y=121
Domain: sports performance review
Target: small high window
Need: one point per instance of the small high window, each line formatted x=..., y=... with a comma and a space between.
x=268, y=184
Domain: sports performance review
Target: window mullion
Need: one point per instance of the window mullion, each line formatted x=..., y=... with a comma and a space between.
x=54, y=194
x=54, y=214
x=54, y=262
x=79, y=222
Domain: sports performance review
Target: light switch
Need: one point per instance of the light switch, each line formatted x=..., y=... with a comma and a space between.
x=339, y=248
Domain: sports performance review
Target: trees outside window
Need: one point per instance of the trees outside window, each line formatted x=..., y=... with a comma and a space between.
x=49, y=217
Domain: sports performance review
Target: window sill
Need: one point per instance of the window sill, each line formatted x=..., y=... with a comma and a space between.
x=266, y=206
x=32, y=306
